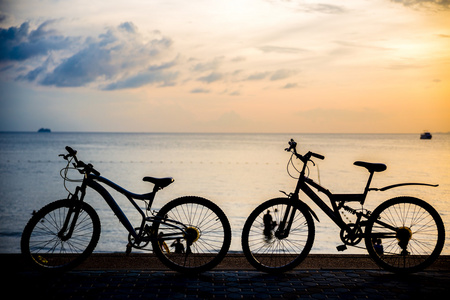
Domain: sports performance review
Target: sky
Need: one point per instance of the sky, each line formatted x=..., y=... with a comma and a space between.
x=357, y=66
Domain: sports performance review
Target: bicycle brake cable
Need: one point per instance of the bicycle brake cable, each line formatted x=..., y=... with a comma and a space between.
x=287, y=167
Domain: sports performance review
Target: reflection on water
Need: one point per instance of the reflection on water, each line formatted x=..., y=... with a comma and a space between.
x=236, y=171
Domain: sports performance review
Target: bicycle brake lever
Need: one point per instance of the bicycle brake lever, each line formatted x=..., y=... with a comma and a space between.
x=288, y=195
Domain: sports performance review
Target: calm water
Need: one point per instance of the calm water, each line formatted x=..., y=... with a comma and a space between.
x=236, y=171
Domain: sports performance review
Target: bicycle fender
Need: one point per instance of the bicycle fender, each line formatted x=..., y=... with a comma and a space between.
x=402, y=184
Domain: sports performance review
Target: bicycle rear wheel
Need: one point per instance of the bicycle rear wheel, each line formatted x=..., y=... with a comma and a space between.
x=404, y=235
x=194, y=235
x=268, y=250
x=46, y=248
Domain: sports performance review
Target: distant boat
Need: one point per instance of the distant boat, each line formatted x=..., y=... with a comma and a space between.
x=426, y=136
x=44, y=130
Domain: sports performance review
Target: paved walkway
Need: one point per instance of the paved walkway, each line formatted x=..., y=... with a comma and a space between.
x=303, y=284
x=113, y=283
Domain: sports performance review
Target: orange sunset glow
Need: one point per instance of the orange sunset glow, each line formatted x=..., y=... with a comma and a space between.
x=378, y=66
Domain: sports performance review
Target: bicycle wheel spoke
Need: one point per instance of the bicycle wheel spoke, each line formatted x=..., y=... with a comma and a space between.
x=268, y=245
x=417, y=240
x=47, y=250
x=206, y=228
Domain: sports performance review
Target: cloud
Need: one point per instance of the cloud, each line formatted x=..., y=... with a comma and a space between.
x=118, y=58
x=436, y=3
x=200, y=91
x=282, y=74
x=285, y=50
x=209, y=65
x=117, y=52
x=290, y=86
x=144, y=78
x=322, y=8
x=212, y=77
x=310, y=7
x=258, y=76
x=20, y=44
x=154, y=74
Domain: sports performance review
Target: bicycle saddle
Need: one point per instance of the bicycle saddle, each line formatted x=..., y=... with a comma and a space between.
x=159, y=182
x=371, y=167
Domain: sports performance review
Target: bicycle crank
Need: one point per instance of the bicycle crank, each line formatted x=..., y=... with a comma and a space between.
x=352, y=236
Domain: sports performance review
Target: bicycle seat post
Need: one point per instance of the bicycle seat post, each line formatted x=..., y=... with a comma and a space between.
x=367, y=188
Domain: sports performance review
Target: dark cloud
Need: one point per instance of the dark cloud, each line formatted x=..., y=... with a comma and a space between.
x=118, y=58
x=82, y=68
x=118, y=51
x=19, y=43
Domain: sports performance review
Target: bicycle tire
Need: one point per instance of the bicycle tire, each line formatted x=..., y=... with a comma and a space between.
x=418, y=238
x=44, y=250
x=268, y=253
x=209, y=232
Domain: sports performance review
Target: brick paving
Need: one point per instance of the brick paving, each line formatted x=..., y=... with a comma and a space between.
x=116, y=276
x=297, y=284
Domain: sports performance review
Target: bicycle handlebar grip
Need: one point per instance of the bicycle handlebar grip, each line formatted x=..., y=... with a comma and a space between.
x=292, y=145
x=71, y=151
x=317, y=155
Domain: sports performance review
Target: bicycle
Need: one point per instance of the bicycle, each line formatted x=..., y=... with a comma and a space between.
x=402, y=235
x=64, y=233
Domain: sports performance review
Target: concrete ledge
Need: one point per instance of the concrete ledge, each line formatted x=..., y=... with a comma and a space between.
x=137, y=261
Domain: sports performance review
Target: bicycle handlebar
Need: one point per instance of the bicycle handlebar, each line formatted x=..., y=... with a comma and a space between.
x=305, y=158
x=87, y=168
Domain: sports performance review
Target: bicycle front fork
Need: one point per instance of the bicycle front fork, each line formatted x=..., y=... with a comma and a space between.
x=72, y=216
x=285, y=225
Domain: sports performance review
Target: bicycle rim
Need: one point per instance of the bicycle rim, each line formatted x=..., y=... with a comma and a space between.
x=207, y=231
x=415, y=243
x=264, y=249
x=46, y=250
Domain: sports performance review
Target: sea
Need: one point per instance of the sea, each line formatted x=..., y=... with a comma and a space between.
x=236, y=171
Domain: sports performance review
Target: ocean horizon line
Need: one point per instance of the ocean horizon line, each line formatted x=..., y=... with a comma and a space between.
x=220, y=133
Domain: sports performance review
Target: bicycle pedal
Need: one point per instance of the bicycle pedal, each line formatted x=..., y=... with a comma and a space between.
x=128, y=250
x=341, y=248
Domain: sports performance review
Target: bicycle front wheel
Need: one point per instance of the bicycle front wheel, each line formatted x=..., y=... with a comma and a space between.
x=47, y=248
x=194, y=235
x=404, y=235
x=266, y=243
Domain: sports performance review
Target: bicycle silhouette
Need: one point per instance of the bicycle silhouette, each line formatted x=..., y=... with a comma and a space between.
x=64, y=233
x=402, y=235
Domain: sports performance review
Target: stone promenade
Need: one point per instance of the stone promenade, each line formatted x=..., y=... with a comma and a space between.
x=115, y=276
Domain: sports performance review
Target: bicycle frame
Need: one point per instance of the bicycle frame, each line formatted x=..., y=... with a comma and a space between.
x=304, y=183
x=91, y=180
x=333, y=212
